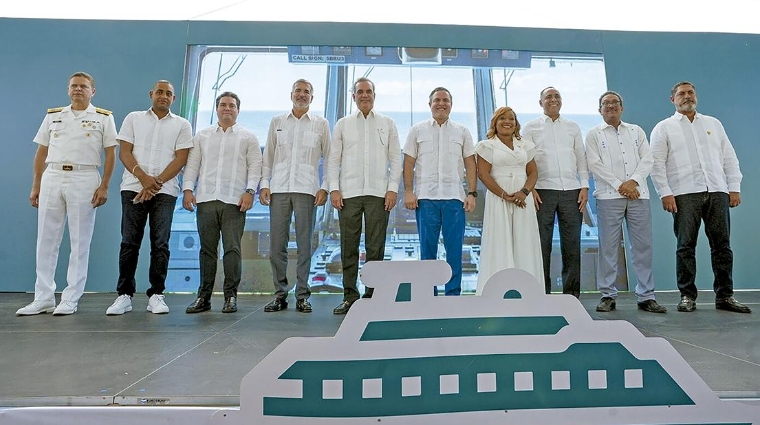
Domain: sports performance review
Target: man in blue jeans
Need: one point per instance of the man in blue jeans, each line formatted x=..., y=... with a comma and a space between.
x=696, y=173
x=437, y=155
x=153, y=146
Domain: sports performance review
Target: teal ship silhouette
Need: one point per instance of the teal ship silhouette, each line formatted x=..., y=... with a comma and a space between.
x=512, y=355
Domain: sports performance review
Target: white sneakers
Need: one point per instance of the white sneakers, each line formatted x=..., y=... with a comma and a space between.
x=122, y=305
x=65, y=308
x=157, y=305
x=37, y=307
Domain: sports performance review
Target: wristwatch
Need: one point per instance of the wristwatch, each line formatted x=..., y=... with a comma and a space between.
x=474, y=193
x=525, y=191
x=250, y=191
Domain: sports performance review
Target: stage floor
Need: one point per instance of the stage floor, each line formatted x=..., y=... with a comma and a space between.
x=90, y=359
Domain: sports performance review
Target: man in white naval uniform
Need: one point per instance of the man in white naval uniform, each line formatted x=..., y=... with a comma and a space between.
x=67, y=187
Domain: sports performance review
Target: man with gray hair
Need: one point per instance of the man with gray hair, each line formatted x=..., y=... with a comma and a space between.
x=290, y=185
x=696, y=173
x=618, y=155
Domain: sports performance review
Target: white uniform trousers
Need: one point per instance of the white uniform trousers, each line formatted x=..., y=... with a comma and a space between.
x=64, y=194
x=638, y=218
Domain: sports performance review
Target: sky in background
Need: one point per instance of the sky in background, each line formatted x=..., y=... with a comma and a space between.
x=731, y=16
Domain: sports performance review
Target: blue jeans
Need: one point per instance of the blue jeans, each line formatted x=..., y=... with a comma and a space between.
x=693, y=208
x=158, y=213
x=442, y=216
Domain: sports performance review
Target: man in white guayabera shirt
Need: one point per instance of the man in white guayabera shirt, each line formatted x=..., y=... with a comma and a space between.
x=363, y=173
x=562, y=187
x=696, y=173
x=618, y=155
x=153, y=146
x=290, y=185
x=225, y=162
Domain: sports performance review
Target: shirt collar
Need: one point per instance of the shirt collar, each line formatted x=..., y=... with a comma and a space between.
x=150, y=112
x=549, y=119
x=360, y=114
x=679, y=116
x=622, y=124
x=434, y=123
x=306, y=114
x=233, y=129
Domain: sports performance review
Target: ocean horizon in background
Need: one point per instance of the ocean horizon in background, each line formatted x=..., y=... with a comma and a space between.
x=258, y=121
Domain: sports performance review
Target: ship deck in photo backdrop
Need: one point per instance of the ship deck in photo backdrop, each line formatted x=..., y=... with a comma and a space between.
x=511, y=356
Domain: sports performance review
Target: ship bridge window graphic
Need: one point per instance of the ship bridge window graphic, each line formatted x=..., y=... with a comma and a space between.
x=510, y=356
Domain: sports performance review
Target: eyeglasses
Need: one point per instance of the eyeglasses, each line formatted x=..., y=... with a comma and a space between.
x=611, y=103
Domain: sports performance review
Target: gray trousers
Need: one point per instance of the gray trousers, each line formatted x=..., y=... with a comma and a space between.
x=215, y=217
x=281, y=209
x=638, y=219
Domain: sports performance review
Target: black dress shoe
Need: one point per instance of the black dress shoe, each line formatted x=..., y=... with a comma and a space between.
x=198, y=306
x=276, y=304
x=303, y=306
x=606, y=305
x=687, y=304
x=730, y=304
x=230, y=305
x=343, y=307
x=652, y=306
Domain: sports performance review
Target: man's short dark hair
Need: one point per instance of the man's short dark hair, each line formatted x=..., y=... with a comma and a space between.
x=228, y=94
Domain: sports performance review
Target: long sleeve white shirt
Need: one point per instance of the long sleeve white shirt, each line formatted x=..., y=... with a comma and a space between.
x=154, y=145
x=439, y=152
x=365, y=156
x=292, y=153
x=223, y=163
x=693, y=157
x=616, y=155
x=560, y=154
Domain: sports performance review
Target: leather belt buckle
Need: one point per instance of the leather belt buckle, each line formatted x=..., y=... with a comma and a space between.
x=67, y=167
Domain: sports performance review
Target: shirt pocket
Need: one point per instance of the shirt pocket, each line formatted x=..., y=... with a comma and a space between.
x=310, y=139
x=455, y=147
x=425, y=147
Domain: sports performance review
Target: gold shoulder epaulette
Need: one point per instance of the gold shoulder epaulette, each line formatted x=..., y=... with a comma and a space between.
x=103, y=111
x=53, y=110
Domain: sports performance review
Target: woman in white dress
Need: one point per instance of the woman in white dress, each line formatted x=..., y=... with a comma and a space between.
x=510, y=228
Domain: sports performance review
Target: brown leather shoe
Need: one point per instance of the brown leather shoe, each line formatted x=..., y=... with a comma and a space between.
x=730, y=304
x=652, y=306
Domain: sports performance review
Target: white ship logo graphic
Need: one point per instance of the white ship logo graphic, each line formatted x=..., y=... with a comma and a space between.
x=511, y=356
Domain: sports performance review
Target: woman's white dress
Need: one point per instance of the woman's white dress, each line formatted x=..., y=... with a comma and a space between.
x=510, y=234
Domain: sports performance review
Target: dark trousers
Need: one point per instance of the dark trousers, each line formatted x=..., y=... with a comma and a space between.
x=215, y=217
x=693, y=208
x=281, y=210
x=372, y=209
x=436, y=218
x=564, y=205
x=157, y=213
